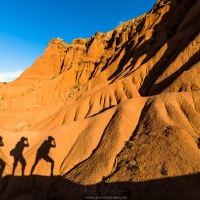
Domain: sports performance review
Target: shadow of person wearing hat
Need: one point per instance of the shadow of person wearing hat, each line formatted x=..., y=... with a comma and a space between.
x=43, y=153
x=2, y=163
x=17, y=154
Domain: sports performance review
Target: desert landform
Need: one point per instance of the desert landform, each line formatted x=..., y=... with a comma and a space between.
x=116, y=115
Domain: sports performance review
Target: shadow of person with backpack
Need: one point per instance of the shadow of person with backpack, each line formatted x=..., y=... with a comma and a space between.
x=2, y=163
x=17, y=154
x=43, y=151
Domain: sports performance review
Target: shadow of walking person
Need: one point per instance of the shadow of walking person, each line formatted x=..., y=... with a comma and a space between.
x=17, y=154
x=43, y=151
x=2, y=163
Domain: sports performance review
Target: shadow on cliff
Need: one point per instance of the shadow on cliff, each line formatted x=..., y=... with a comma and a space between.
x=166, y=32
x=134, y=49
x=176, y=43
x=59, y=188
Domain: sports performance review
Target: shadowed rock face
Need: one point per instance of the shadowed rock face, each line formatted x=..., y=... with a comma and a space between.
x=123, y=108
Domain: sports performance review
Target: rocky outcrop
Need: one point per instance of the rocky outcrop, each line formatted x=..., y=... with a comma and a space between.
x=123, y=108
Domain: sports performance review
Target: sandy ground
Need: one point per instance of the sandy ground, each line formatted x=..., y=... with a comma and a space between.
x=122, y=110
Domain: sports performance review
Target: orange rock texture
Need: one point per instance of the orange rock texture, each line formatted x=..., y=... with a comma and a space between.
x=122, y=106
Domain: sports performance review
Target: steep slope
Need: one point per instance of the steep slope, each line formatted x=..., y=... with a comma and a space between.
x=123, y=108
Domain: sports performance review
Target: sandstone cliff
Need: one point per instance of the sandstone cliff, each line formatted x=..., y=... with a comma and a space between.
x=123, y=107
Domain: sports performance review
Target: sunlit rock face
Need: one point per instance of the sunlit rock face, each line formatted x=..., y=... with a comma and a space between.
x=115, y=114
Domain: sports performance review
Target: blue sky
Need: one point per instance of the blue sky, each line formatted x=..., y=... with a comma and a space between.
x=26, y=26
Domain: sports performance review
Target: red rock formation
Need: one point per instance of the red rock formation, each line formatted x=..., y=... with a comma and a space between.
x=123, y=108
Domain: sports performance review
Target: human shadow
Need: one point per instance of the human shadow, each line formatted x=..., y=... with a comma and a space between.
x=60, y=188
x=43, y=153
x=17, y=153
x=2, y=163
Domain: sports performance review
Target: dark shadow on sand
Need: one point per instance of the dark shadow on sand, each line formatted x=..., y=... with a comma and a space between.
x=59, y=188
x=43, y=153
x=17, y=153
x=2, y=163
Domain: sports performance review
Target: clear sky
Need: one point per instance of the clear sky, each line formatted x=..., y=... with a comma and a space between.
x=26, y=26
